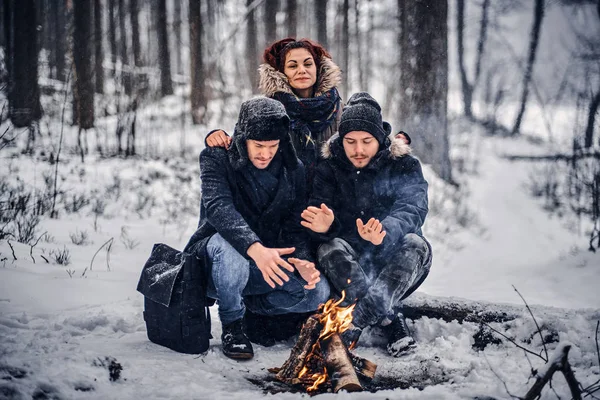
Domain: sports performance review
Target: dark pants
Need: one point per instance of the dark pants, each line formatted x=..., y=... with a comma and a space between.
x=377, y=281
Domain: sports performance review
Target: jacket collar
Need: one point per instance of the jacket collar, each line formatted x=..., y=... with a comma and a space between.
x=273, y=81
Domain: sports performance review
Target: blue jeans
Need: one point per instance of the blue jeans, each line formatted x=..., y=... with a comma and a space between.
x=377, y=282
x=237, y=283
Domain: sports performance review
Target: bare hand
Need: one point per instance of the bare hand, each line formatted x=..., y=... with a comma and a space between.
x=307, y=271
x=317, y=219
x=218, y=139
x=372, y=231
x=269, y=261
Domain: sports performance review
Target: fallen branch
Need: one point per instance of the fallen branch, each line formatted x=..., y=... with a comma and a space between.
x=552, y=157
x=534, y=320
x=419, y=305
x=35, y=244
x=558, y=362
x=109, y=243
x=12, y=249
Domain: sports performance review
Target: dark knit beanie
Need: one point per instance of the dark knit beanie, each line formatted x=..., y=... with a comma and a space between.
x=363, y=113
x=263, y=119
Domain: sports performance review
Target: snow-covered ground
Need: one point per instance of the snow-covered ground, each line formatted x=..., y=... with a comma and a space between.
x=61, y=326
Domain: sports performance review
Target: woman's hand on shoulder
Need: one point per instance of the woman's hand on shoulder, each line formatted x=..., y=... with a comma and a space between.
x=218, y=138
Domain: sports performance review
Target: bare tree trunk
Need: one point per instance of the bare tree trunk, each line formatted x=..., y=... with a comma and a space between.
x=321, y=21
x=538, y=17
x=252, y=59
x=467, y=90
x=292, y=18
x=424, y=80
x=591, y=121
x=125, y=71
x=164, y=56
x=82, y=57
x=345, y=50
x=467, y=87
x=134, y=10
x=112, y=34
x=198, y=84
x=24, y=92
x=359, y=48
x=271, y=21
x=178, y=44
x=99, y=54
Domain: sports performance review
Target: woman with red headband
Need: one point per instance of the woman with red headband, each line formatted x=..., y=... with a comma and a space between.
x=301, y=75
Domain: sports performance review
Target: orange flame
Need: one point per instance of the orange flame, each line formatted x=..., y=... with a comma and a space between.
x=335, y=319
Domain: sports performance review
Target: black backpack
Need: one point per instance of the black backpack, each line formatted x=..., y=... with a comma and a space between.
x=175, y=304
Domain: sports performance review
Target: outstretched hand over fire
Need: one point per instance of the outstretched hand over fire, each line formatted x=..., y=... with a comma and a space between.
x=372, y=231
x=317, y=219
x=307, y=271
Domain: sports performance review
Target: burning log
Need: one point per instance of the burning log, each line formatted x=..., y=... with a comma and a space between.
x=364, y=368
x=319, y=360
x=339, y=365
x=308, y=337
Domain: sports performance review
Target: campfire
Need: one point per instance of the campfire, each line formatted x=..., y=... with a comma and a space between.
x=319, y=361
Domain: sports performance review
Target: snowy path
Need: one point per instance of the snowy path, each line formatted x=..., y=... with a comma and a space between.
x=521, y=244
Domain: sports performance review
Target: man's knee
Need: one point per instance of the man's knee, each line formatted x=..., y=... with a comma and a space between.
x=319, y=295
x=325, y=250
x=229, y=268
x=415, y=243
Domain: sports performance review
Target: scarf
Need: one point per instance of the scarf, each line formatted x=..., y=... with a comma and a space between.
x=310, y=117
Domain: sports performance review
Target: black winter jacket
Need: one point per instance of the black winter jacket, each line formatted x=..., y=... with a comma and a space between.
x=390, y=188
x=229, y=208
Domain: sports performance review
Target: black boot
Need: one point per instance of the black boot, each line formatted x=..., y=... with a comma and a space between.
x=400, y=339
x=259, y=328
x=235, y=343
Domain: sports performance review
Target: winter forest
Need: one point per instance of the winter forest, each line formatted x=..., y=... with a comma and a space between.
x=105, y=106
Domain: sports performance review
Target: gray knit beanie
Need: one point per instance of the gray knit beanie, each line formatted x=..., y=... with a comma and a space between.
x=363, y=113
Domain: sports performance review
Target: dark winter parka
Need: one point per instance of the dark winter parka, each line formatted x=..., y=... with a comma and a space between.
x=238, y=203
x=390, y=188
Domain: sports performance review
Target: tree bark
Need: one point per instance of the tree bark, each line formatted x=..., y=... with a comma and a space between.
x=82, y=57
x=166, y=85
x=252, y=58
x=99, y=54
x=467, y=89
x=270, y=21
x=292, y=17
x=538, y=17
x=339, y=366
x=178, y=43
x=321, y=21
x=125, y=67
x=345, y=47
x=198, y=86
x=135, y=32
x=424, y=81
x=308, y=336
x=24, y=92
x=112, y=35
x=591, y=121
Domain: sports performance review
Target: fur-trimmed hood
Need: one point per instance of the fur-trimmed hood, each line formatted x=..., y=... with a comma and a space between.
x=397, y=147
x=273, y=81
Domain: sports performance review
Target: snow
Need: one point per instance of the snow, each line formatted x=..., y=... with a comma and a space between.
x=58, y=331
x=66, y=329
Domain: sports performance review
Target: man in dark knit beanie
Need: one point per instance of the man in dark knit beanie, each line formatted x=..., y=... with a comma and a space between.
x=249, y=232
x=368, y=204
